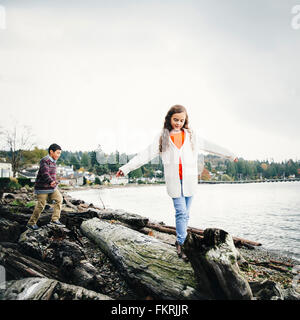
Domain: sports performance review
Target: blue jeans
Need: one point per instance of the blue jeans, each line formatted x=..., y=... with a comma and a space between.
x=182, y=208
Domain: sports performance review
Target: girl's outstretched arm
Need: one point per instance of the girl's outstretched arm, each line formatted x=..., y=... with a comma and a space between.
x=141, y=158
x=208, y=146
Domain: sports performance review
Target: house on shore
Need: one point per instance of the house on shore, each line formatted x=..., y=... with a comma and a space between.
x=5, y=169
x=113, y=179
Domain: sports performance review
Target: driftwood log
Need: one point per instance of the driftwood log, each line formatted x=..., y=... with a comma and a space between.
x=21, y=215
x=19, y=265
x=46, y=289
x=200, y=232
x=60, y=247
x=63, y=256
x=145, y=261
x=133, y=220
x=9, y=230
x=214, y=259
x=56, y=253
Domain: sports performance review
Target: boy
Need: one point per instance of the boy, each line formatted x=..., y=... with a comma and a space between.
x=45, y=188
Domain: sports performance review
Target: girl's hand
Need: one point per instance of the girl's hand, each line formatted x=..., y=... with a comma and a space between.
x=119, y=173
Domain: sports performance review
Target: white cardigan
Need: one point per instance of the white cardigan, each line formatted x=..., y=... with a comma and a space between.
x=170, y=159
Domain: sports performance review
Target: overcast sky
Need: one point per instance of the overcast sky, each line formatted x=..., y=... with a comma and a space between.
x=84, y=73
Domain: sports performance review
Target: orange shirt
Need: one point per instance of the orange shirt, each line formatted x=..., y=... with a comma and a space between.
x=178, y=139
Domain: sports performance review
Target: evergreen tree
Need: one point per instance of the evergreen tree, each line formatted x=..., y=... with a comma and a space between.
x=136, y=173
x=101, y=169
x=85, y=160
x=74, y=161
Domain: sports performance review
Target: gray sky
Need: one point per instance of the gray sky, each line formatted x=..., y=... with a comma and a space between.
x=84, y=73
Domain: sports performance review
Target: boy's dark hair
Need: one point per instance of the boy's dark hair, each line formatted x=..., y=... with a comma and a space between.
x=54, y=147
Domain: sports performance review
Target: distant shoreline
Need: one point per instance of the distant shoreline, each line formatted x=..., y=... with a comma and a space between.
x=250, y=181
x=112, y=186
x=130, y=185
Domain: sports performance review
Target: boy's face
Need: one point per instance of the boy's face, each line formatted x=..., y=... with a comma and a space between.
x=55, y=154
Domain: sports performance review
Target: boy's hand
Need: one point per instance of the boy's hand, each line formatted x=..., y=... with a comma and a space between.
x=53, y=184
x=119, y=173
x=236, y=160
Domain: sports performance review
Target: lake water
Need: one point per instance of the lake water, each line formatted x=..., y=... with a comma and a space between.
x=268, y=213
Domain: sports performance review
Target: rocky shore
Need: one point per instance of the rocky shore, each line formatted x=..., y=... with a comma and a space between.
x=105, y=254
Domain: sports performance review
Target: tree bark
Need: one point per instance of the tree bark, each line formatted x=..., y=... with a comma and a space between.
x=46, y=289
x=19, y=265
x=145, y=261
x=214, y=259
x=134, y=220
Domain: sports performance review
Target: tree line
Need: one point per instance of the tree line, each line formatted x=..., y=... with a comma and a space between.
x=18, y=141
x=110, y=163
x=253, y=170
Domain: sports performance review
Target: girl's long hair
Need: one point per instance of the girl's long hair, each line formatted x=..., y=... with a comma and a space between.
x=164, y=138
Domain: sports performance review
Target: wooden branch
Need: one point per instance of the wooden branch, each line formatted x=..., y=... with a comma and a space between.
x=282, y=263
x=269, y=265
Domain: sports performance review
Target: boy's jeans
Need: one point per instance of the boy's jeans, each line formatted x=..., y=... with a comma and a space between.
x=182, y=207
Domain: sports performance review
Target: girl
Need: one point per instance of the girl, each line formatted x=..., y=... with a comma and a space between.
x=178, y=147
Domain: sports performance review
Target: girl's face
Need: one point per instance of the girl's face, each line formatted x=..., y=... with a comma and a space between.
x=178, y=120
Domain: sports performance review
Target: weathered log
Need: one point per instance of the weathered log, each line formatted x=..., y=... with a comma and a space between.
x=74, y=219
x=266, y=290
x=19, y=265
x=144, y=261
x=214, y=260
x=200, y=232
x=69, y=204
x=162, y=228
x=169, y=239
x=16, y=196
x=22, y=215
x=9, y=230
x=76, y=202
x=46, y=289
x=11, y=196
x=236, y=240
x=52, y=244
x=131, y=219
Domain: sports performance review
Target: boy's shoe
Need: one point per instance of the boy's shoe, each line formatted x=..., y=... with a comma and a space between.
x=57, y=223
x=32, y=226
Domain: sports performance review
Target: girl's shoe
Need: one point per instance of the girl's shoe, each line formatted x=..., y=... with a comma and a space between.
x=180, y=252
x=184, y=257
x=179, y=249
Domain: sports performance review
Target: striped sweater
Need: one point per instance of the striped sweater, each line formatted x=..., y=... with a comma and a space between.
x=46, y=174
